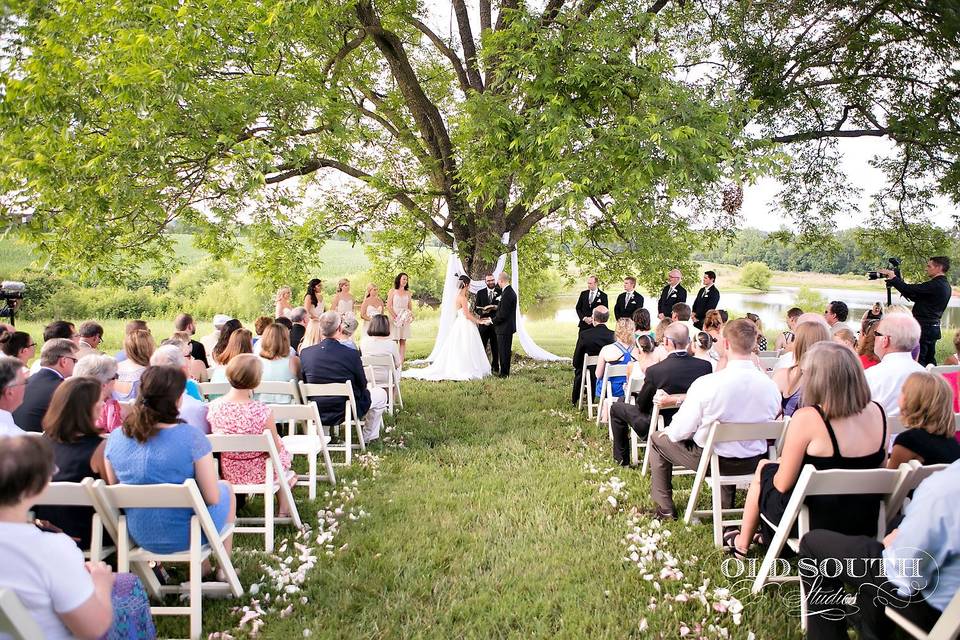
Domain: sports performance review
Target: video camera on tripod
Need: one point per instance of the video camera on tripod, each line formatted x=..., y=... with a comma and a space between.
x=876, y=275
x=11, y=292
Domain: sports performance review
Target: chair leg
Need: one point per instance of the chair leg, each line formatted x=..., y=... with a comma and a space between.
x=312, y=470
x=634, y=448
x=268, y=512
x=196, y=577
x=716, y=501
x=348, y=443
x=390, y=399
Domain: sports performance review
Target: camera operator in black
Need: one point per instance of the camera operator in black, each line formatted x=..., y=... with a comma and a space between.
x=929, y=298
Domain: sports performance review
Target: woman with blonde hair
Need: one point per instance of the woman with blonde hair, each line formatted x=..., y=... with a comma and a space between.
x=139, y=346
x=622, y=351
x=846, y=338
x=789, y=380
x=400, y=309
x=342, y=301
x=312, y=335
x=761, y=339
x=278, y=363
x=282, y=306
x=926, y=411
x=839, y=427
x=372, y=304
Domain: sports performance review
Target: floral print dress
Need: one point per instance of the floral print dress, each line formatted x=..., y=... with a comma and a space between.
x=243, y=418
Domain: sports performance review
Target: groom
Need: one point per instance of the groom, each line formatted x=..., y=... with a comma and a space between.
x=505, y=324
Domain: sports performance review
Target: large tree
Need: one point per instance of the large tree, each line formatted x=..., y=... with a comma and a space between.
x=618, y=120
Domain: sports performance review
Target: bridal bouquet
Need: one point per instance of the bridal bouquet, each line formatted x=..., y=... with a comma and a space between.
x=403, y=318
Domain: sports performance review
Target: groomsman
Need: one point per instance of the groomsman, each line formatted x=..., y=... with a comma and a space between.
x=670, y=295
x=488, y=334
x=707, y=298
x=628, y=301
x=590, y=299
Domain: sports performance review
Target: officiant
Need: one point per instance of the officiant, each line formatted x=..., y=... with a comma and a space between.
x=485, y=306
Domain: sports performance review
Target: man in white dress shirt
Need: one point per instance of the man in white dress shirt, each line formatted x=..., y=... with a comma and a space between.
x=13, y=383
x=738, y=393
x=897, y=335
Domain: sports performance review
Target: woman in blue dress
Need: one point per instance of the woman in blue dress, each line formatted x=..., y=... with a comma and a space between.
x=620, y=352
x=154, y=447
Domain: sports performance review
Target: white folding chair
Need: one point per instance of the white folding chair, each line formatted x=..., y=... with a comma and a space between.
x=351, y=418
x=768, y=362
x=656, y=424
x=947, y=626
x=384, y=375
x=831, y=482
x=112, y=500
x=725, y=432
x=908, y=482
x=77, y=494
x=586, y=386
x=606, y=388
x=311, y=444
x=943, y=368
x=260, y=443
x=208, y=389
x=15, y=620
x=768, y=354
x=280, y=388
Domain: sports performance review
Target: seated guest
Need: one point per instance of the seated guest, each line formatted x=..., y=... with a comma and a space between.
x=138, y=346
x=240, y=341
x=330, y=361
x=790, y=380
x=761, y=339
x=210, y=340
x=259, y=325
x=681, y=313
x=312, y=335
x=57, y=329
x=278, y=364
x=836, y=315
x=918, y=576
x=154, y=447
x=103, y=368
x=19, y=345
x=926, y=411
x=865, y=348
x=348, y=328
x=589, y=342
x=197, y=370
x=237, y=413
x=641, y=319
x=619, y=352
x=378, y=342
x=131, y=326
x=184, y=324
x=77, y=450
x=896, y=336
x=660, y=351
x=674, y=375
x=91, y=335
x=952, y=359
x=193, y=410
x=643, y=356
x=226, y=331
x=738, y=393
x=787, y=360
x=65, y=596
x=703, y=349
x=837, y=428
x=299, y=319
x=785, y=339
x=845, y=337
x=13, y=382
x=713, y=324
x=57, y=359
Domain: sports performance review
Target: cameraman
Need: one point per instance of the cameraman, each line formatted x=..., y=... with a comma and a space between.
x=929, y=298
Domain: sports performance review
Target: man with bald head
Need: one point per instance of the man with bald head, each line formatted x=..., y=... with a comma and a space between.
x=674, y=375
x=897, y=335
x=670, y=295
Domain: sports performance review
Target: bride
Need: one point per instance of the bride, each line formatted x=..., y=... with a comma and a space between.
x=462, y=356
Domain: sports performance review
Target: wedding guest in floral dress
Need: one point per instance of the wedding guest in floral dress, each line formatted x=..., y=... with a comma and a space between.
x=401, y=312
x=237, y=413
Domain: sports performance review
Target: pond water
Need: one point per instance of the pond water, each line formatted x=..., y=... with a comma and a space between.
x=771, y=306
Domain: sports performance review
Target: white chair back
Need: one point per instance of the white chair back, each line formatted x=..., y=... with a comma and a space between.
x=914, y=474
x=382, y=372
x=943, y=368
x=768, y=362
x=351, y=419
x=606, y=388
x=312, y=444
x=77, y=494
x=208, y=389
x=15, y=620
x=281, y=387
x=586, y=386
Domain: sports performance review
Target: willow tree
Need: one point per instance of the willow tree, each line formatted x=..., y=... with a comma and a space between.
x=299, y=118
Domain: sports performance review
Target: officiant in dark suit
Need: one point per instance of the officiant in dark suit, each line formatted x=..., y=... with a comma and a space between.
x=590, y=299
x=485, y=298
x=628, y=301
x=707, y=298
x=670, y=295
x=505, y=324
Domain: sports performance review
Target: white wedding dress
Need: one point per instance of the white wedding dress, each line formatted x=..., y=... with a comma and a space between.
x=462, y=356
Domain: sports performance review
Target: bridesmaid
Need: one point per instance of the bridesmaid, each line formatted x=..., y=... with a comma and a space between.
x=372, y=305
x=282, y=302
x=401, y=312
x=342, y=301
x=313, y=299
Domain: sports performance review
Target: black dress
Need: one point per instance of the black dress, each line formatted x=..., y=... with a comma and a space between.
x=851, y=515
x=931, y=449
x=73, y=462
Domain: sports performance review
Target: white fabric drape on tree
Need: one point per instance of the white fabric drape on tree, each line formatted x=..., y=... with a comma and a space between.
x=448, y=311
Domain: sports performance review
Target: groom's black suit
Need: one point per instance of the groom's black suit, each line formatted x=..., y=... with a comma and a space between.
x=488, y=333
x=505, y=324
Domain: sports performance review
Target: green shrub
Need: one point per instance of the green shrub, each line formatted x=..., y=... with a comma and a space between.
x=756, y=275
x=810, y=300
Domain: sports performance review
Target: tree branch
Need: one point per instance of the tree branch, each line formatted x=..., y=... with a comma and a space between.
x=450, y=54
x=486, y=16
x=469, y=46
x=343, y=52
x=830, y=133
